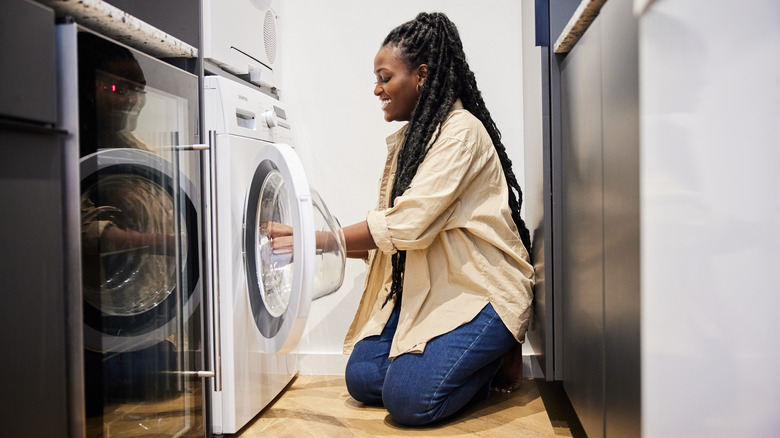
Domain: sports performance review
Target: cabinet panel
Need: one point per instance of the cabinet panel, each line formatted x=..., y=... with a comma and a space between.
x=582, y=238
x=32, y=274
x=27, y=59
x=621, y=219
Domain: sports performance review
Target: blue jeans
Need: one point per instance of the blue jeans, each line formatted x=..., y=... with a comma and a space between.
x=419, y=389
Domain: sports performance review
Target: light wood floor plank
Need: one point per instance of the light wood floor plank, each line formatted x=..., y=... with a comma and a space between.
x=319, y=406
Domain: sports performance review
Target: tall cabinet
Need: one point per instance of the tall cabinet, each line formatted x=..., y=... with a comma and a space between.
x=39, y=270
x=591, y=147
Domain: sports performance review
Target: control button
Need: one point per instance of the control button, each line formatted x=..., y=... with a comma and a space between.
x=269, y=117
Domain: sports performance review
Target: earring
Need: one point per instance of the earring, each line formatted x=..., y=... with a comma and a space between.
x=418, y=88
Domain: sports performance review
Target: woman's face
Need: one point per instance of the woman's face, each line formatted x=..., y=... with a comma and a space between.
x=396, y=85
x=119, y=95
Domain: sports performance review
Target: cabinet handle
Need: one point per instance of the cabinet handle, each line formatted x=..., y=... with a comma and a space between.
x=193, y=147
x=200, y=374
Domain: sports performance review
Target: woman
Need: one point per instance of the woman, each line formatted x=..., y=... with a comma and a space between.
x=449, y=283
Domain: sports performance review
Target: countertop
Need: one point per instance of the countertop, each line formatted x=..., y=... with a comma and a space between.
x=123, y=27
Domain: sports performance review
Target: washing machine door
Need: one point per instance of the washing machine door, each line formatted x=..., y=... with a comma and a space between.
x=137, y=256
x=294, y=249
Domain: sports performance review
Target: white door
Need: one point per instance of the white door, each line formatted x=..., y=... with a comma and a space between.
x=282, y=283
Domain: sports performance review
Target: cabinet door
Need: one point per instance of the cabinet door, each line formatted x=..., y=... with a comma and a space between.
x=600, y=216
x=33, y=282
x=27, y=62
x=583, y=231
x=141, y=248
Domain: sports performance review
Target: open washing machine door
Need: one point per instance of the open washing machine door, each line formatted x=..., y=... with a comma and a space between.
x=294, y=249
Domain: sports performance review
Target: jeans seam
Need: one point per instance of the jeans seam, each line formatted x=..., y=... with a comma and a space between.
x=477, y=338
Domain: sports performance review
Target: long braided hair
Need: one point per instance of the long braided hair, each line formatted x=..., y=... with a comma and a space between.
x=432, y=39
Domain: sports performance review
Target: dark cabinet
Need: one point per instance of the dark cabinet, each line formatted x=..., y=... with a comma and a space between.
x=593, y=136
x=33, y=282
x=28, y=72
x=41, y=395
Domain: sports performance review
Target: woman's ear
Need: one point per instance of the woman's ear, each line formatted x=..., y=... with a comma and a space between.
x=422, y=73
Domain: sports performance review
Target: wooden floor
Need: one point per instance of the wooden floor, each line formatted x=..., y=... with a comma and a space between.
x=319, y=406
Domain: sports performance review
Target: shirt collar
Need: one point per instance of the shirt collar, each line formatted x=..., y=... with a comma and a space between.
x=395, y=138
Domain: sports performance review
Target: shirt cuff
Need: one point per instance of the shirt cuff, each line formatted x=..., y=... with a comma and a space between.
x=377, y=225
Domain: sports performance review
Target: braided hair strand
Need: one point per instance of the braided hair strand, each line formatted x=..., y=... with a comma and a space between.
x=432, y=39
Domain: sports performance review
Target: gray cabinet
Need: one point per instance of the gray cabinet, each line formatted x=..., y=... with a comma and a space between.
x=620, y=125
x=39, y=260
x=28, y=88
x=594, y=143
x=582, y=252
x=32, y=278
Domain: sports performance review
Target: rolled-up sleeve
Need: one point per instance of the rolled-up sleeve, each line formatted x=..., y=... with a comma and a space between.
x=417, y=217
x=377, y=225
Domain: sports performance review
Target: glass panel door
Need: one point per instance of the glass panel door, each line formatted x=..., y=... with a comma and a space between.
x=140, y=215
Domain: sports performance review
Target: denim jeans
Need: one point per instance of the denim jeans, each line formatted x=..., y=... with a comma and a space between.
x=419, y=389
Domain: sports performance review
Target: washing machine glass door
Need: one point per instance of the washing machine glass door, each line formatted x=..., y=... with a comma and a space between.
x=283, y=247
x=140, y=239
x=331, y=253
x=274, y=267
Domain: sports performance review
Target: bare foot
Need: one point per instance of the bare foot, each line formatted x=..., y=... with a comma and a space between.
x=510, y=375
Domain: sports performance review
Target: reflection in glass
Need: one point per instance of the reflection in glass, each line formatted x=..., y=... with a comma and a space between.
x=140, y=259
x=138, y=266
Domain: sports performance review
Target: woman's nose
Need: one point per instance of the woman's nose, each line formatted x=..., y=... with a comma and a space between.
x=377, y=89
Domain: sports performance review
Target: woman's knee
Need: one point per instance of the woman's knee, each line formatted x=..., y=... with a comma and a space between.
x=363, y=382
x=408, y=405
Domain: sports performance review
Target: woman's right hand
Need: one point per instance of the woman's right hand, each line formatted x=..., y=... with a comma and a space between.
x=275, y=229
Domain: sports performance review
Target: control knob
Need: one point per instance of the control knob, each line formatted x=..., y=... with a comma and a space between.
x=269, y=118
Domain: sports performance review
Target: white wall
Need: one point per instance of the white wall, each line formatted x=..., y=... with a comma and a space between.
x=327, y=50
x=710, y=161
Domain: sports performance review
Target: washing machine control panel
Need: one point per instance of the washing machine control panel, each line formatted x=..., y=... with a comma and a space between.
x=281, y=128
x=238, y=109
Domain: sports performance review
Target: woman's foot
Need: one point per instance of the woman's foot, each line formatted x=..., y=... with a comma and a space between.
x=510, y=375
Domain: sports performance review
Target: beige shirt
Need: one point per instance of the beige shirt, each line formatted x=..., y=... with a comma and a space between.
x=462, y=247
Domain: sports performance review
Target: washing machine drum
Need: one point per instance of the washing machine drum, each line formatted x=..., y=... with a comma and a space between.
x=139, y=249
x=294, y=249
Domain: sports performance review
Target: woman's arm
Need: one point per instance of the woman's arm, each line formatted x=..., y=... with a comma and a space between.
x=116, y=239
x=359, y=240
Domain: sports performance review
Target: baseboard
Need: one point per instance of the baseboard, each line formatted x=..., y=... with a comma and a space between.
x=322, y=364
x=531, y=367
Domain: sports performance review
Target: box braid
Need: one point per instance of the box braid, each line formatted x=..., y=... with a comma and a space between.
x=432, y=39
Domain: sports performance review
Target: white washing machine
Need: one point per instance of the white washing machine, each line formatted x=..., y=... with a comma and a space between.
x=260, y=296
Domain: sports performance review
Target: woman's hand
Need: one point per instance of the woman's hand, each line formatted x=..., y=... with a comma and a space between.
x=275, y=229
x=277, y=252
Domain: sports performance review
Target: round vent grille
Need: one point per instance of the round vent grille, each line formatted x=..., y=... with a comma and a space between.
x=269, y=36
